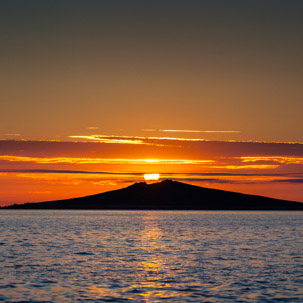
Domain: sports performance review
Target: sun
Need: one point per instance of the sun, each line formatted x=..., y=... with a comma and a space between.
x=149, y=177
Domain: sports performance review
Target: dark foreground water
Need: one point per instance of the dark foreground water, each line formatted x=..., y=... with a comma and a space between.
x=151, y=256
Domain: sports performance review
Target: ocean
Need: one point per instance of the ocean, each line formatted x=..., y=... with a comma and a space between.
x=151, y=256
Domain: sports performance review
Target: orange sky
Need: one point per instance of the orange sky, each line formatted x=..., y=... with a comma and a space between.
x=48, y=170
x=91, y=91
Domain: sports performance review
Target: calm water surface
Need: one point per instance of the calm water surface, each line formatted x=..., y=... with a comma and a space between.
x=151, y=256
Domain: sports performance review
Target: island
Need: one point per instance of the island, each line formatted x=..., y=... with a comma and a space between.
x=166, y=195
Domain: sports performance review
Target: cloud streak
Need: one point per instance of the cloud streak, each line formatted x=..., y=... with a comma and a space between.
x=36, y=166
x=288, y=181
x=282, y=160
x=195, y=177
x=13, y=135
x=191, y=131
x=137, y=140
x=44, y=160
x=165, y=141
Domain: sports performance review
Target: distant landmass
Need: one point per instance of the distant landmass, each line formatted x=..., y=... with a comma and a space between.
x=166, y=195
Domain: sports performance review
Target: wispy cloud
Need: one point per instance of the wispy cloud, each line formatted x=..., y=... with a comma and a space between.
x=43, y=160
x=284, y=160
x=164, y=141
x=190, y=131
x=60, y=171
x=292, y=180
x=253, y=166
x=133, y=139
x=98, y=177
x=13, y=135
x=111, y=139
x=92, y=127
x=168, y=174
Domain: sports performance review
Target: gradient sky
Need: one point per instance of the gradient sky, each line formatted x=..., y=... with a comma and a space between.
x=116, y=76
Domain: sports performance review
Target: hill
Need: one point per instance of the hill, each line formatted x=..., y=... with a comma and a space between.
x=167, y=195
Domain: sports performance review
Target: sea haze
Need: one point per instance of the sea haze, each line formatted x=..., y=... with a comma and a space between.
x=149, y=256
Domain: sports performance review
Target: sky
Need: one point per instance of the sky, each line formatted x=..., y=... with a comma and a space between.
x=96, y=93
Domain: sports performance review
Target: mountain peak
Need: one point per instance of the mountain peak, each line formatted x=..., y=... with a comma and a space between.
x=162, y=183
x=138, y=184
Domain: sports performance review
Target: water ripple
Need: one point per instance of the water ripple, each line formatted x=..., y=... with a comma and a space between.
x=112, y=256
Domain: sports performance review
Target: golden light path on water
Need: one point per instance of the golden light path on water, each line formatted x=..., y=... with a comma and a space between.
x=151, y=281
x=152, y=266
x=151, y=256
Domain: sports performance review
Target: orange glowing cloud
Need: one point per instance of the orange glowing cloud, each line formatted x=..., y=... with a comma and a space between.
x=256, y=166
x=110, y=139
x=70, y=169
x=284, y=160
x=15, y=135
x=100, y=161
x=133, y=139
x=191, y=131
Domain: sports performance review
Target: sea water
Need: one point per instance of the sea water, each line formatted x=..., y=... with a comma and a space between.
x=151, y=256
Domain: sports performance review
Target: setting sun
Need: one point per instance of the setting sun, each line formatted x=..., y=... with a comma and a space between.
x=149, y=177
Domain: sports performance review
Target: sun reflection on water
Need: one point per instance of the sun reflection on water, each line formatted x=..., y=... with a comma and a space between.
x=152, y=267
x=71, y=256
x=148, y=270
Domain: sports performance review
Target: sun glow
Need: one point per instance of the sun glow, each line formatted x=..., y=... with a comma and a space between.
x=149, y=177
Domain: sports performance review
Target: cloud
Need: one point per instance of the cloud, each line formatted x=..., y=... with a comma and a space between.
x=254, y=166
x=219, y=155
x=189, y=177
x=209, y=180
x=137, y=140
x=15, y=135
x=110, y=139
x=101, y=177
x=74, y=160
x=191, y=131
x=288, y=180
x=58, y=171
x=282, y=160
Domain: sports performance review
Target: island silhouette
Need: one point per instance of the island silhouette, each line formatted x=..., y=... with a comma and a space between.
x=166, y=195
